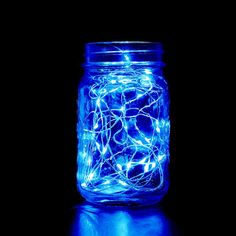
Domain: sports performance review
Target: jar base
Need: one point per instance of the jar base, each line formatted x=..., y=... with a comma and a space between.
x=133, y=200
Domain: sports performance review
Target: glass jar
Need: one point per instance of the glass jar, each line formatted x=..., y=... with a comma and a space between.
x=123, y=124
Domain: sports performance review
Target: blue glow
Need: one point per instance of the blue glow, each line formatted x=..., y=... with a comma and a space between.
x=96, y=221
x=148, y=71
x=119, y=166
x=123, y=125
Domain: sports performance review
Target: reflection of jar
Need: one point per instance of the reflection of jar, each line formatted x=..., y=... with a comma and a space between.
x=123, y=124
x=91, y=220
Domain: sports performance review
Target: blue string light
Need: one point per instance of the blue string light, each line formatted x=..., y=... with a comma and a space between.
x=123, y=131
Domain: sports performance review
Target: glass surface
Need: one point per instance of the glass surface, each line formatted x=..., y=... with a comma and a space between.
x=89, y=220
x=123, y=124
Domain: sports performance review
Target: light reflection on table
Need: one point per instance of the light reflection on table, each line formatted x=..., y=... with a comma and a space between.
x=90, y=220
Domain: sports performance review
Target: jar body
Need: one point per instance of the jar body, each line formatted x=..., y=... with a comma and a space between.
x=123, y=134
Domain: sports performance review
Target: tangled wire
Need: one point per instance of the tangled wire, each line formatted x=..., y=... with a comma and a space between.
x=125, y=140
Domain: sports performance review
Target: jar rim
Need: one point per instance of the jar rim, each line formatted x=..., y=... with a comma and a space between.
x=122, y=46
x=123, y=52
x=123, y=42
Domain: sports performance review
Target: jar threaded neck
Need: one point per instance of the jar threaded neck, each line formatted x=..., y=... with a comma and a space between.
x=123, y=53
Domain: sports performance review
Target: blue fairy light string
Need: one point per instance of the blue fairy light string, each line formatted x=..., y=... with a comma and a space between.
x=125, y=133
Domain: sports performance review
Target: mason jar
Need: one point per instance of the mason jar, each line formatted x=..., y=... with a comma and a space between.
x=123, y=124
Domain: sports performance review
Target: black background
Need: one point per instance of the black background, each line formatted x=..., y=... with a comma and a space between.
x=51, y=48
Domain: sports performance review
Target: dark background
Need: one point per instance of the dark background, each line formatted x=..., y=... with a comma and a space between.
x=51, y=47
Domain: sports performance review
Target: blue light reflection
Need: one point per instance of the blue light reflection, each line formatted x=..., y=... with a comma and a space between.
x=90, y=220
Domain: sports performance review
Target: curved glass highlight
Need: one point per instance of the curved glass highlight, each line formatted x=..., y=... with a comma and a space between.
x=123, y=124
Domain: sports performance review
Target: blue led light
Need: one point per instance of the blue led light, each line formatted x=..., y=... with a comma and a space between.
x=123, y=125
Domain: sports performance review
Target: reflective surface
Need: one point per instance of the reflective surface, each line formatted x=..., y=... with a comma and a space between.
x=91, y=220
x=123, y=125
